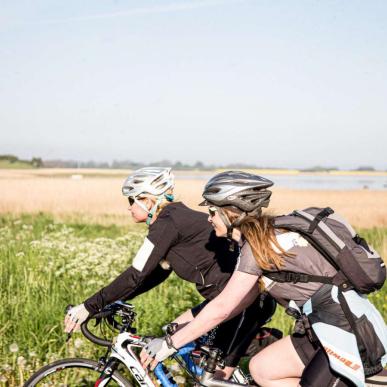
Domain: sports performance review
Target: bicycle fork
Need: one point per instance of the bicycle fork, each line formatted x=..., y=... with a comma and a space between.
x=107, y=372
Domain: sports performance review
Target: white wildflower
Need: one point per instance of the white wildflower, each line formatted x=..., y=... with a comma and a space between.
x=14, y=348
x=21, y=361
x=78, y=343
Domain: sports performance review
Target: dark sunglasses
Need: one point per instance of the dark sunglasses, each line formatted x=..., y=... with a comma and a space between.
x=212, y=211
x=131, y=200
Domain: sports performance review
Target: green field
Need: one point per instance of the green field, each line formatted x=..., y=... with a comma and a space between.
x=6, y=164
x=45, y=265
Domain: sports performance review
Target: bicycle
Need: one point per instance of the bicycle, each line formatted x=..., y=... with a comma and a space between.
x=199, y=361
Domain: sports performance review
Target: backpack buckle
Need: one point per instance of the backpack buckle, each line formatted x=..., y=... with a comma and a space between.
x=289, y=277
x=303, y=278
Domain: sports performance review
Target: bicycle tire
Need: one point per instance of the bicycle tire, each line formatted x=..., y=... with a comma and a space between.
x=52, y=370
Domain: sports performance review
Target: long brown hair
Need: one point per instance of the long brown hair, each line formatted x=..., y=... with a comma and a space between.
x=259, y=233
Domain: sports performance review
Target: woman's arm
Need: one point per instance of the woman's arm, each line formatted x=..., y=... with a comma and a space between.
x=184, y=318
x=240, y=291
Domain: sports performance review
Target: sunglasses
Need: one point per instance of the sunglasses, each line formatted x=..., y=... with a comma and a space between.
x=212, y=211
x=133, y=199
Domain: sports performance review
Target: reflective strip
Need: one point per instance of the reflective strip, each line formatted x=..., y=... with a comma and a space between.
x=324, y=228
x=143, y=255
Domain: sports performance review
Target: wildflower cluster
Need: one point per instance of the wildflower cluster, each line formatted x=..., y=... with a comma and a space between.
x=94, y=262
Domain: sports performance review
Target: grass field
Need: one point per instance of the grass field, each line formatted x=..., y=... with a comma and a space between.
x=63, y=238
x=47, y=264
x=5, y=164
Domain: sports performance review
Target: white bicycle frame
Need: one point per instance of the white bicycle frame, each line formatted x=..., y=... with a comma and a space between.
x=123, y=350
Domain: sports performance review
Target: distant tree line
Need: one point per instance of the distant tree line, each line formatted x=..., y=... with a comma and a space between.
x=37, y=162
x=128, y=164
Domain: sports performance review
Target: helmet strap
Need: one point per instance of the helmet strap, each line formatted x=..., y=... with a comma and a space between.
x=169, y=197
x=231, y=241
x=230, y=228
x=153, y=210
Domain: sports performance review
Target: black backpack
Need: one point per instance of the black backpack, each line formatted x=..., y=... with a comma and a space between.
x=358, y=265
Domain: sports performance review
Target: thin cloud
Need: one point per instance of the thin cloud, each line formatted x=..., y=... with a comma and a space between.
x=172, y=7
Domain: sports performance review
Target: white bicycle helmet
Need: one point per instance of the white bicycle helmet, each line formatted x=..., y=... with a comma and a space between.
x=149, y=180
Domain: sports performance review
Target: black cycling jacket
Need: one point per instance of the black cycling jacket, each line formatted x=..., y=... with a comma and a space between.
x=187, y=241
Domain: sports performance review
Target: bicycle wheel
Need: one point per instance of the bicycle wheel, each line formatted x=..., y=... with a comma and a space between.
x=72, y=373
x=377, y=380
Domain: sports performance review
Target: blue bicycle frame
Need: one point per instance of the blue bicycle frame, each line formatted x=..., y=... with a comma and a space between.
x=185, y=354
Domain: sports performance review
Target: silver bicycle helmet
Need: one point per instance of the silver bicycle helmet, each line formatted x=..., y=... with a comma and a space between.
x=149, y=180
x=244, y=191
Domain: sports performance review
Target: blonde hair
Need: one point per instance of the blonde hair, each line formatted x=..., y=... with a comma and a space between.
x=164, y=202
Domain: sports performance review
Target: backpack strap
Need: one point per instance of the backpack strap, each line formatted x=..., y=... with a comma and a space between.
x=368, y=368
x=362, y=242
x=319, y=217
x=290, y=276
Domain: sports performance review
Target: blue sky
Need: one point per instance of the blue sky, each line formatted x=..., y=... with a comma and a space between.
x=274, y=83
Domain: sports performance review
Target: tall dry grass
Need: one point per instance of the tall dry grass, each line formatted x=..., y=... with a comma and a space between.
x=98, y=196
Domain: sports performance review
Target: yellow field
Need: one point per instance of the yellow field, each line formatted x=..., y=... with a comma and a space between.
x=96, y=195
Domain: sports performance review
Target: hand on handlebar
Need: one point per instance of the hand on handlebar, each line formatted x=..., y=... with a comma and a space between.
x=75, y=317
x=155, y=351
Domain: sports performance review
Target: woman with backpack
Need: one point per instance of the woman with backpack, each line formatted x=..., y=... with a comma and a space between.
x=333, y=324
x=179, y=240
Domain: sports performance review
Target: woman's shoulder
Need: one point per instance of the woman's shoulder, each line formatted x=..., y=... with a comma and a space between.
x=181, y=216
x=246, y=261
x=170, y=208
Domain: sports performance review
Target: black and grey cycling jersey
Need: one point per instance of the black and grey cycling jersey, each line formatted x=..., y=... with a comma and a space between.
x=180, y=240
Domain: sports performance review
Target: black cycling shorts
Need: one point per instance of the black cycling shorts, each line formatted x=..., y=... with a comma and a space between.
x=304, y=348
x=234, y=336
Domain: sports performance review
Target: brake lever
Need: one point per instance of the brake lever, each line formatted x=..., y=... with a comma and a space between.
x=68, y=307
